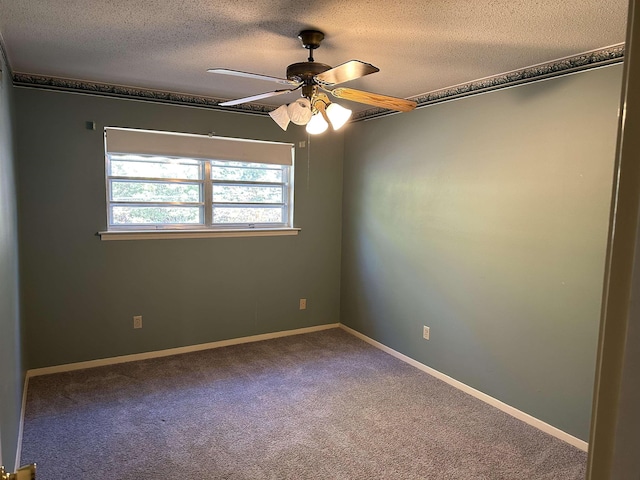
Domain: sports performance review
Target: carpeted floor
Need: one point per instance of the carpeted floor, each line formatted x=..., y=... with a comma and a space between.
x=322, y=405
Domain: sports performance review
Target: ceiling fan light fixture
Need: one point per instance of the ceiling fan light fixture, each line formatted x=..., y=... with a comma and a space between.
x=300, y=111
x=338, y=115
x=317, y=125
x=281, y=116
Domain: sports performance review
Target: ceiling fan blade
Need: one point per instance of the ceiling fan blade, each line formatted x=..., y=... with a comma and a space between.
x=255, y=76
x=253, y=98
x=347, y=71
x=375, y=99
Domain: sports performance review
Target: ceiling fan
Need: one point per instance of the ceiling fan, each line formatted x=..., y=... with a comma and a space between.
x=314, y=79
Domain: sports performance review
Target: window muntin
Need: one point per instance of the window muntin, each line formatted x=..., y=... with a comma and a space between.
x=151, y=191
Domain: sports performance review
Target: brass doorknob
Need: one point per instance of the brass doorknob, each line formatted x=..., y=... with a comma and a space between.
x=24, y=473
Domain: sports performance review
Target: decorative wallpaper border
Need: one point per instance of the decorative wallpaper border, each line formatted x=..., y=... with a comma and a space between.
x=584, y=61
x=81, y=86
x=563, y=66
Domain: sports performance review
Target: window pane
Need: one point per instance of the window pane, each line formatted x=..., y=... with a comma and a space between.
x=123, y=215
x=247, y=194
x=247, y=215
x=247, y=174
x=155, y=169
x=154, y=192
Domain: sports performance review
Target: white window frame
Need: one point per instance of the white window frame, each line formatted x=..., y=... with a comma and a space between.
x=202, y=150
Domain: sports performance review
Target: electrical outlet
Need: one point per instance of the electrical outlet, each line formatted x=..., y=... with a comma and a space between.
x=425, y=332
x=137, y=321
x=303, y=304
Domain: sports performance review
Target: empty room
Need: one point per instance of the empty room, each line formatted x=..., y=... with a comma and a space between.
x=330, y=240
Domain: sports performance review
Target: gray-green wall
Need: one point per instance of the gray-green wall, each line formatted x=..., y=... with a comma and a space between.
x=11, y=369
x=486, y=219
x=80, y=293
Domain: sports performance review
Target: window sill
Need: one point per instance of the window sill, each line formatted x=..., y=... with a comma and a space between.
x=173, y=234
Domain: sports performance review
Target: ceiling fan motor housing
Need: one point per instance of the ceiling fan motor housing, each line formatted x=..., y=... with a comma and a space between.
x=305, y=71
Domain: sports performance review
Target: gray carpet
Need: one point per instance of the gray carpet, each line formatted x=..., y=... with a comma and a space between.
x=323, y=405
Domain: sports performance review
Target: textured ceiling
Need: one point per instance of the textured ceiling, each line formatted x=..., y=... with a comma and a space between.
x=418, y=46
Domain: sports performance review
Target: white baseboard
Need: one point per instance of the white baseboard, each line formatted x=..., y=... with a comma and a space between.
x=514, y=412
x=21, y=424
x=172, y=351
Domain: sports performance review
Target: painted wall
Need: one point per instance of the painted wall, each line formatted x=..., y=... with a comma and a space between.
x=80, y=293
x=486, y=219
x=11, y=369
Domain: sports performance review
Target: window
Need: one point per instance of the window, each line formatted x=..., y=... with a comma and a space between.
x=160, y=181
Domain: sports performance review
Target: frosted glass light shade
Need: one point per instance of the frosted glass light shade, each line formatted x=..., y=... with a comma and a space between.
x=300, y=111
x=280, y=116
x=338, y=115
x=317, y=125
